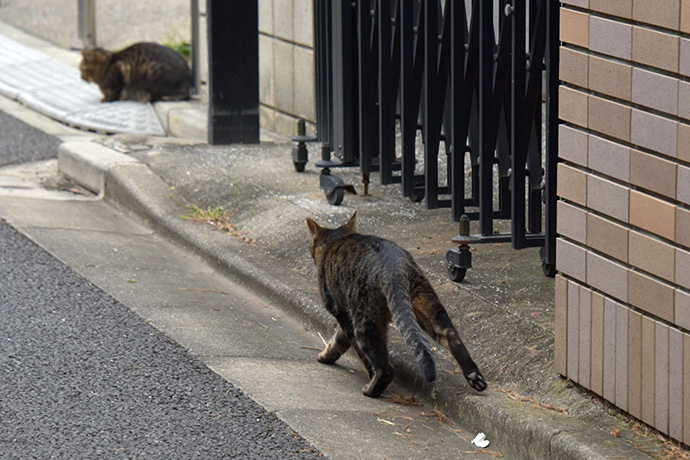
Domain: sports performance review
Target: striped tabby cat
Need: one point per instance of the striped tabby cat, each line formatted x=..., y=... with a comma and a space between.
x=144, y=72
x=364, y=282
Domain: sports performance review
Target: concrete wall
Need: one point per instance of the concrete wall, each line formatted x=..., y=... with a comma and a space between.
x=623, y=291
x=286, y=53
x=286, y=63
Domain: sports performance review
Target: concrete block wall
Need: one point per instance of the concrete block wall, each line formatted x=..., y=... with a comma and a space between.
x=286, y=52
x=286, y=64
x=623, y=253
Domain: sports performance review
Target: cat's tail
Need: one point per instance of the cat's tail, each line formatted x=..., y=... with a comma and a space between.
x=403, y=316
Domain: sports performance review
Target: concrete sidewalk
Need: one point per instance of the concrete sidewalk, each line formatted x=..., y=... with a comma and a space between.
x=504, y=308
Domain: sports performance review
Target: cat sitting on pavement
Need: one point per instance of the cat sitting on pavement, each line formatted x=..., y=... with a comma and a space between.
x=143, y=72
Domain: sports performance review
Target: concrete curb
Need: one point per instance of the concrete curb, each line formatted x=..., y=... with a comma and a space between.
x=524, y=431
x=89, y=163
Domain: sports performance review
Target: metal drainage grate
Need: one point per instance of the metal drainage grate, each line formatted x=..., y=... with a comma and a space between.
x=57, y=90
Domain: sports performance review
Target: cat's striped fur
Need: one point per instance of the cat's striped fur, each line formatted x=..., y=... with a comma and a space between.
x=365, y=281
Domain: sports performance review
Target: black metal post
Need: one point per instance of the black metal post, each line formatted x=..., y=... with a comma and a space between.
x=458, y=136
x=345, y=134
x=487, y=145
x=408, y=114
x=431, y=119
x=233, y=56
x=368, y=125
x=518, y=142
x=323, y=69
x=552, y=44
x=386, y=89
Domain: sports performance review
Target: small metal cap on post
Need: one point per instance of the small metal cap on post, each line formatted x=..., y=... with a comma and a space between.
x=326, y=152
x=300, y=154
x=464, y=226
x=460, y=259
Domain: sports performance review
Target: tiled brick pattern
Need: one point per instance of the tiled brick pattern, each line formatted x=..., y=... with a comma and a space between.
x=623, y=253
x=636, y=362
x=286, y=41
x=286, y=64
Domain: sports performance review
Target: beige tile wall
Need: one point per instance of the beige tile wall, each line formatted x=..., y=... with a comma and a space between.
x=286, y=64
x=623, y=288
x=286, y=52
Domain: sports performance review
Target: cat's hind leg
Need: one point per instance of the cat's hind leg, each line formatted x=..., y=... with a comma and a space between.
x=434, y=319
x=338, y=345
x=371, y=341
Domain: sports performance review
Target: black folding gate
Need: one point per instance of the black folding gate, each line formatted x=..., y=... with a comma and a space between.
x=467, y=79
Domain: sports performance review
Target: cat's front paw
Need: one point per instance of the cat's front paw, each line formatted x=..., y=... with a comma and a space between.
x=476, y=380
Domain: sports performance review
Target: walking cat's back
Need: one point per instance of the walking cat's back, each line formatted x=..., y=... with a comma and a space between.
x=357, y=255
x=365, y=281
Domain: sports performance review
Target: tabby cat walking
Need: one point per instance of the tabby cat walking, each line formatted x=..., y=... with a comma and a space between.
x=364, y=282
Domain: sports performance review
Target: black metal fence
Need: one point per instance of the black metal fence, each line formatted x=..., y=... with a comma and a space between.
x=465, y=77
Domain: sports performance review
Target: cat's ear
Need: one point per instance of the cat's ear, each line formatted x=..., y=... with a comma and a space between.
x=351, y=225
x=312, y=226
x=92, y=54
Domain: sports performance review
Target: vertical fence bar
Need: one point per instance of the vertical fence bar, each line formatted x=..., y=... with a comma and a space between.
x=408, y=117
x=338, y=61
x=502, y=106
x=518, y=138
x=445, y=103
x=471, y=100
x=386, y=88
x=323, y=69
x=431, y=103
x=486, y=144
x=551, y=161
x=458, y=36
x=534, y=160
x=87, y=23
x=368, y=125
x=345, y=81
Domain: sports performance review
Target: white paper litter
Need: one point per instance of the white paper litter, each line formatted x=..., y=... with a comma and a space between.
x=480, y=440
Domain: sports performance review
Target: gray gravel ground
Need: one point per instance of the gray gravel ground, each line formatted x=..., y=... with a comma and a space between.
x=83, y=377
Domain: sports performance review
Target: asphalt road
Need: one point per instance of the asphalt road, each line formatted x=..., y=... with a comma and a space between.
x=20, y=142
x=81, y=376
